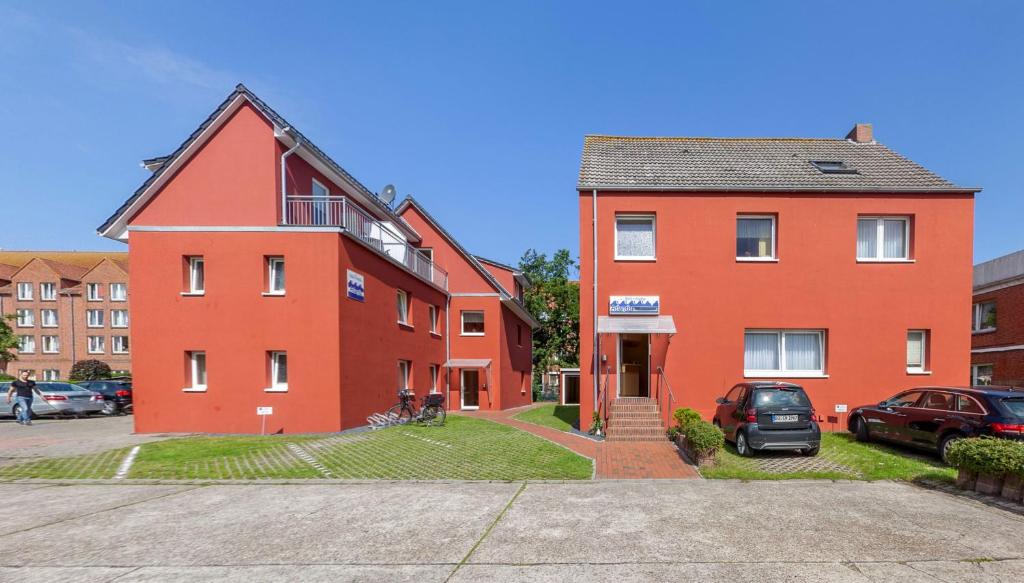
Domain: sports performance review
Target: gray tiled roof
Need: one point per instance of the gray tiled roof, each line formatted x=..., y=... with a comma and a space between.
x=660, y=163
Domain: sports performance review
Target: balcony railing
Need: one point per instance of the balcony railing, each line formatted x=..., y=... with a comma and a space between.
x=336, y=211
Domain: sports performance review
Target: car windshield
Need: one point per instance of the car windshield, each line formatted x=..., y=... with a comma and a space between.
x=58, y=387
x=1015, y=405
x=780, y=398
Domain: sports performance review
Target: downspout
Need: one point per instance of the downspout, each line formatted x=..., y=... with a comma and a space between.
x=284, y=175
x=74, y=341
x=597, y=336
x=447, y=346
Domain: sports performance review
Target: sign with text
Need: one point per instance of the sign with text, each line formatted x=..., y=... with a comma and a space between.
x=264, y=410
x=634, y=305
x=840, y=407
x=355, y=286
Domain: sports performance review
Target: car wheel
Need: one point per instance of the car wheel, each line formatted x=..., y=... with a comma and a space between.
x=860, y=430
x=742, y=447
x=944, y=446
x=811, y=451
x=110, y=408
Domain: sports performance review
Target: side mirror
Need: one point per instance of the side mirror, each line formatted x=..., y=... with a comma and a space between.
x=721, y=401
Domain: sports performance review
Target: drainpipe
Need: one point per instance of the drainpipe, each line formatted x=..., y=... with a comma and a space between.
x=284, y=175
x=597, y=336
x=447, y=346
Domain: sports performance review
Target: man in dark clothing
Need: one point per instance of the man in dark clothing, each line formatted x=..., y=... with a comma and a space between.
x=23, y=388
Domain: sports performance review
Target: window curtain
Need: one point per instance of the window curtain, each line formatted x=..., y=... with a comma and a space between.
x=635, y=238
x=803, y=351
x=753, y=237
x=760, y=351
x=915, y=349
x=894, y=243
x=867, y=238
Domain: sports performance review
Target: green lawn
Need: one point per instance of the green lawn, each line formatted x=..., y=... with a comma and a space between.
x=464, y=449
x=560, y=417
x=865, y=461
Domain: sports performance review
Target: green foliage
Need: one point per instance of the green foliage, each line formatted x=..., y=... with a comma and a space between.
x=704, y=438
x=89, y=370
x=554, y=300
x=595, y=424
x=987, y=455
x=8, y=339
x=685, y=417
x=672, y=433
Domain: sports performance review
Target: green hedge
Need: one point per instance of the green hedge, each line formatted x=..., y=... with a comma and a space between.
x=704, y=438
x=988, y=455
x=684, y=417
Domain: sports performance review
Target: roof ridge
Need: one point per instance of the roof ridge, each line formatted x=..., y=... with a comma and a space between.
x=719, y=138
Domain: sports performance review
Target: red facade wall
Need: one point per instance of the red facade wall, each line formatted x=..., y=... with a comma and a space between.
x=1007, y=366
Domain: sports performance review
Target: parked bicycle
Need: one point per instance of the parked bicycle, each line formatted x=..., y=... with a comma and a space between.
x=431, y=412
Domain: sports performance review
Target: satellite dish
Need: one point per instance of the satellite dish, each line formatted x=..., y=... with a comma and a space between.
x=388, y=194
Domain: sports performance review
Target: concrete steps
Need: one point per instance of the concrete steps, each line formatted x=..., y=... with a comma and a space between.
x=634, y=419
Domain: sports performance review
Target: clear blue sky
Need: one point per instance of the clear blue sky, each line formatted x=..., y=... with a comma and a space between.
x=479, y=108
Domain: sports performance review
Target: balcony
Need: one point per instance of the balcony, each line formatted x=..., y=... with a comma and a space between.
x=336, y=211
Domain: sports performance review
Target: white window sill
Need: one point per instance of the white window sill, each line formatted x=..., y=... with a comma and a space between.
x=26, y=352
x=121, y=301
x=465, y=408
x=118, y=327
x=91, y=352
x=406, y=325
x=781, y=374
x=275, y=390
x=273, y=294
x=640, y=259
x=50, y=352
x=918, y=371
x=194, y=390
x=94, y=299
x=437, y=334
x=121, y=353
x=191, y=294
x=860, y=260
x=757, y=259
x=49, y=326
x=472, y=334
x=983, y=331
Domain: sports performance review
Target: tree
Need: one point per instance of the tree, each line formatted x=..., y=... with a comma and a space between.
x=90, y=370
x=8, y=341
x=554, y=300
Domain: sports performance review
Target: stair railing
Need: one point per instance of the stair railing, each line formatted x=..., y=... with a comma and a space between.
x=669, y=394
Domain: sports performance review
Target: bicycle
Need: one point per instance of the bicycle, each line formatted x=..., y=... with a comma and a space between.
x=431, y=412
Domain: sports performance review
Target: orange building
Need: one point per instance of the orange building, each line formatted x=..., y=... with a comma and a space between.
x=833, y=263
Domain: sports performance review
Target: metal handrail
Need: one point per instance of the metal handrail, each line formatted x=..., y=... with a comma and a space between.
x=671, y=394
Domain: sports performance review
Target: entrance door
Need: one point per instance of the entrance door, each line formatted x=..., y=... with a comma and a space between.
x=570, y=389
x=634, y=365
x=470, y=389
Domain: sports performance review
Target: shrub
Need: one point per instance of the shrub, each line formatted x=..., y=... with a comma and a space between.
x=672, y=433
x=685, y=416
x=987, y=455
x=596, y=423
x=89, y=370
x=704, y=438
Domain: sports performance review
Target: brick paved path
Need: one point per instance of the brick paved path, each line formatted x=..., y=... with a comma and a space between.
x=613, y=460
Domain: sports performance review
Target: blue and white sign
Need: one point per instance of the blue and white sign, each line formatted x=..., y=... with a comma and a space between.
x=634, y=305
x=355, y=286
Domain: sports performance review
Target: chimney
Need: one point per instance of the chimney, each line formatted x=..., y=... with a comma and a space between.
x=861, y=133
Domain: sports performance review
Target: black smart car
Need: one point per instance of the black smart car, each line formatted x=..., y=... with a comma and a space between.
x=933, y=417
x=768, y=415
x=117, y=394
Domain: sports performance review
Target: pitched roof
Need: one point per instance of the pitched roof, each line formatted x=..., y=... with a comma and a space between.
x=498, y=264
x=751, y=164
x=86, y=259
x=6, y=271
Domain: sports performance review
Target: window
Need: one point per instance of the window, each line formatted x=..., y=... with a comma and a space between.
x=983, y=317
x=92, y=292
x=118, y=292
x=883, y=238
x=940, y=401
x=97, y=344
x=755, y=238
x=981, y=374
x=321, y=195
x=279, y=371
x=403, y=374
x=434, y=370
x=119, y=344
x=794, y=353
x=966, y=404
x=197, y=366
x=118, y=318
x=275, y=275
x=833, y=167
x=403, y=307
x=48, y=292
x=26, y=344
x=904, y=399
x=94, y=318
x=51, y=344
x=25, y=291
x=917, y=351
x=432, y=313
x=26, y=318
x=196, y=275
x=51, y=374
x=472, y=323
x=634, y=237
x=48, y=318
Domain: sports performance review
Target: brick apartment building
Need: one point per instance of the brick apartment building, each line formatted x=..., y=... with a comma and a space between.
x=997, y=322
x=67, y=306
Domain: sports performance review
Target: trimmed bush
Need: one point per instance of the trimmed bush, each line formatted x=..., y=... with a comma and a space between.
x=89, y=370
x=986, y=455
x=685, y=417
x=704, y=439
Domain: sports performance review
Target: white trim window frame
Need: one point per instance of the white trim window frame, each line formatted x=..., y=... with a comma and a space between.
x=25, y=291
x=979, y=314
x=51, y=374
x=119, y=345
x=94, y=318
x=92, y=292
x=879, y=241
x=432, y=313
x=275, y=276
x=27, y=344
x=976, y=379
x=49, y=318
x=96, y=344
x=917, y=357
x=119, y=292
x=278, y=372
x=772, y=252
x=404, y=375
x=197, y=367
x=48, y=292
x=25, y=318
x=118, y=318
x=783, y=369
x=51, y=344
x=196, y=275
x=435, y=375
x=402, y=305
x=482, y=323
x=636, y=219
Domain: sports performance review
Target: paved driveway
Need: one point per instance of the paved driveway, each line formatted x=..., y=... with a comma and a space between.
x=430, y=531
x=50, y=437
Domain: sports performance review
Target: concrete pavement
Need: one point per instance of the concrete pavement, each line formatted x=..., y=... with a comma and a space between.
x=432, y=531
x=57, y=437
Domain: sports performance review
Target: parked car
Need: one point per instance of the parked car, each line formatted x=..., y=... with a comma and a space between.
x=768, y=415
x=117, y=394
x=931, y=418
x=56, y=398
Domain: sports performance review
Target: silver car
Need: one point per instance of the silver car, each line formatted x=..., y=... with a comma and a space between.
x=57, y=398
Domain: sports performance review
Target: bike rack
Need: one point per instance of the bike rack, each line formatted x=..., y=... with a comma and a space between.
x=383, y=421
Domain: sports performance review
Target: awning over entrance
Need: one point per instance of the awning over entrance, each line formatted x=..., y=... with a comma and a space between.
x=635, y=325
x=468, y=363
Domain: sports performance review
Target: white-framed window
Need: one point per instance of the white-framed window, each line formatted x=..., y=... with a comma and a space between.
x=434, y=375
x=24, y=291
x=118, y=318
x=25, y=318
x=279, y=371
x=472, y=323
x=275, y=275
x=634, y=237
x=51, y=374
x=883, y=238
x=404, y=372
x=755, y=237
x=917, y=351
x=119, y=344
x=790, y=353
x=26, y=344
x=196, y=275
x=983, y=316
x=432, y=312
x=96, y=344
x=981, y=374
x=403, y=307
x=48, y=292
x=51, y=344
x=93, y=292
x=48, y=318
x=197, y=367
x=119, y=292
x=94, y=318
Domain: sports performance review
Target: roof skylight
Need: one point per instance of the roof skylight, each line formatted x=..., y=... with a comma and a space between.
x=833, y=167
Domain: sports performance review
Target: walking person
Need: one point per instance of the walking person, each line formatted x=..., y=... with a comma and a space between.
x=23, y=387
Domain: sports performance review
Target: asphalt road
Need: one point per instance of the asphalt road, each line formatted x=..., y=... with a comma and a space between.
x=598, y=531
x=58, y=437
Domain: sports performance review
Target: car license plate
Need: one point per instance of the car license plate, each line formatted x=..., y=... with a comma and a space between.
x=784, y=418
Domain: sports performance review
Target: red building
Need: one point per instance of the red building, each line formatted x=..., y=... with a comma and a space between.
x=267, y=276
x=997, y=322
x=709, y=261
